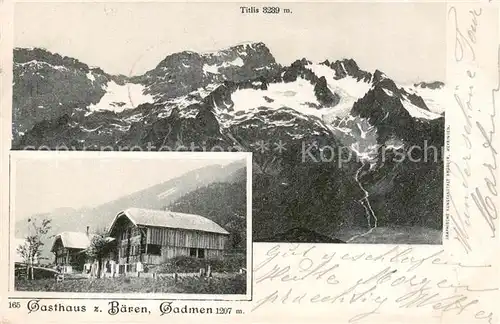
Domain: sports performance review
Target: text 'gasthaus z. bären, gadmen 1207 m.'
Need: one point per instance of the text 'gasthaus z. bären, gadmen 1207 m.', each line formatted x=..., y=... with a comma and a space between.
x=114, y=307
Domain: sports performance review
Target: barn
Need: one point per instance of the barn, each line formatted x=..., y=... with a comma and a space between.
x=69, y=250
x=154, y=236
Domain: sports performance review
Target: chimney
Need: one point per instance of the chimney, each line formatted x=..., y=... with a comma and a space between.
x=88, y=230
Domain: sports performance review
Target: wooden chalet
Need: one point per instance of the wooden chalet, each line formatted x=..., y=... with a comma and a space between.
x=154, y=236
x=69, y=250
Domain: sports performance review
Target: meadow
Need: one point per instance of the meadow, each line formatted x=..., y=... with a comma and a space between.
x=225, y=284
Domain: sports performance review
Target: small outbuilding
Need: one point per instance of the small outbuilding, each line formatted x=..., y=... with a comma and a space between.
x=69, y=250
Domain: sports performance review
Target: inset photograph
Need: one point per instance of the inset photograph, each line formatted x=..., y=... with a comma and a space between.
x=153, y=223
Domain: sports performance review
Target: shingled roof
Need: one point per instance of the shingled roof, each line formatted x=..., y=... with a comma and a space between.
x=161, y=218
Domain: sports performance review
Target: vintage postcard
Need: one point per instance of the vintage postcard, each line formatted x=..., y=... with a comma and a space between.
x=330, y=162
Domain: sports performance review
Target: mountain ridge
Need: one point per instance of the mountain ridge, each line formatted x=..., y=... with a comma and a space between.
x=238, y=98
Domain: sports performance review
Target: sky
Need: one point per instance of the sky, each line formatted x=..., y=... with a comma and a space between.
x=42, y=185
x=404, y=40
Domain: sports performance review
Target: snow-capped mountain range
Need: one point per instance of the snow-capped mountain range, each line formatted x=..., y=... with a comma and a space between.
x=240, y=97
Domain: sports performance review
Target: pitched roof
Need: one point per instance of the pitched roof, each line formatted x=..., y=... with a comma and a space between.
x=73, y=240
x=161, y=218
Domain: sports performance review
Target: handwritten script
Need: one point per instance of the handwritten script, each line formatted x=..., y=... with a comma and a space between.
x=395, y=278
x=477, y=134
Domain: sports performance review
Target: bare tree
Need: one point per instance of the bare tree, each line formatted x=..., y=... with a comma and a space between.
x=31, y=249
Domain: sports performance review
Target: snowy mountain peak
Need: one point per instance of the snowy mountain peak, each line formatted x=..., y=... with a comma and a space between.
x=347, y=68
x=41, y=56
x=242, y=48
x=182, y=73
x=379, y=76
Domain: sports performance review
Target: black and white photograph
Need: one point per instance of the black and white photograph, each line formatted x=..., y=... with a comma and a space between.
x=344, y=113
x=260, y=162
x=171, y=224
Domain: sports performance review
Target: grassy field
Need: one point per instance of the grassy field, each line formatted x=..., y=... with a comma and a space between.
x=229, y=284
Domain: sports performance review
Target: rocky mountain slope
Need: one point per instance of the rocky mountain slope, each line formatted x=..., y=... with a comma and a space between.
x=327, y=137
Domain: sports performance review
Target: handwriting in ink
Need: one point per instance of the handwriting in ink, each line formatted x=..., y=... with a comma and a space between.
x=372, y=291
x=464, y=43
x=485, y=201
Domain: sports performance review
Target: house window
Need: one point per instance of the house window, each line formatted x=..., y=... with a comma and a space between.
x=201, y=253
x=154, y=249
x=197, y=253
